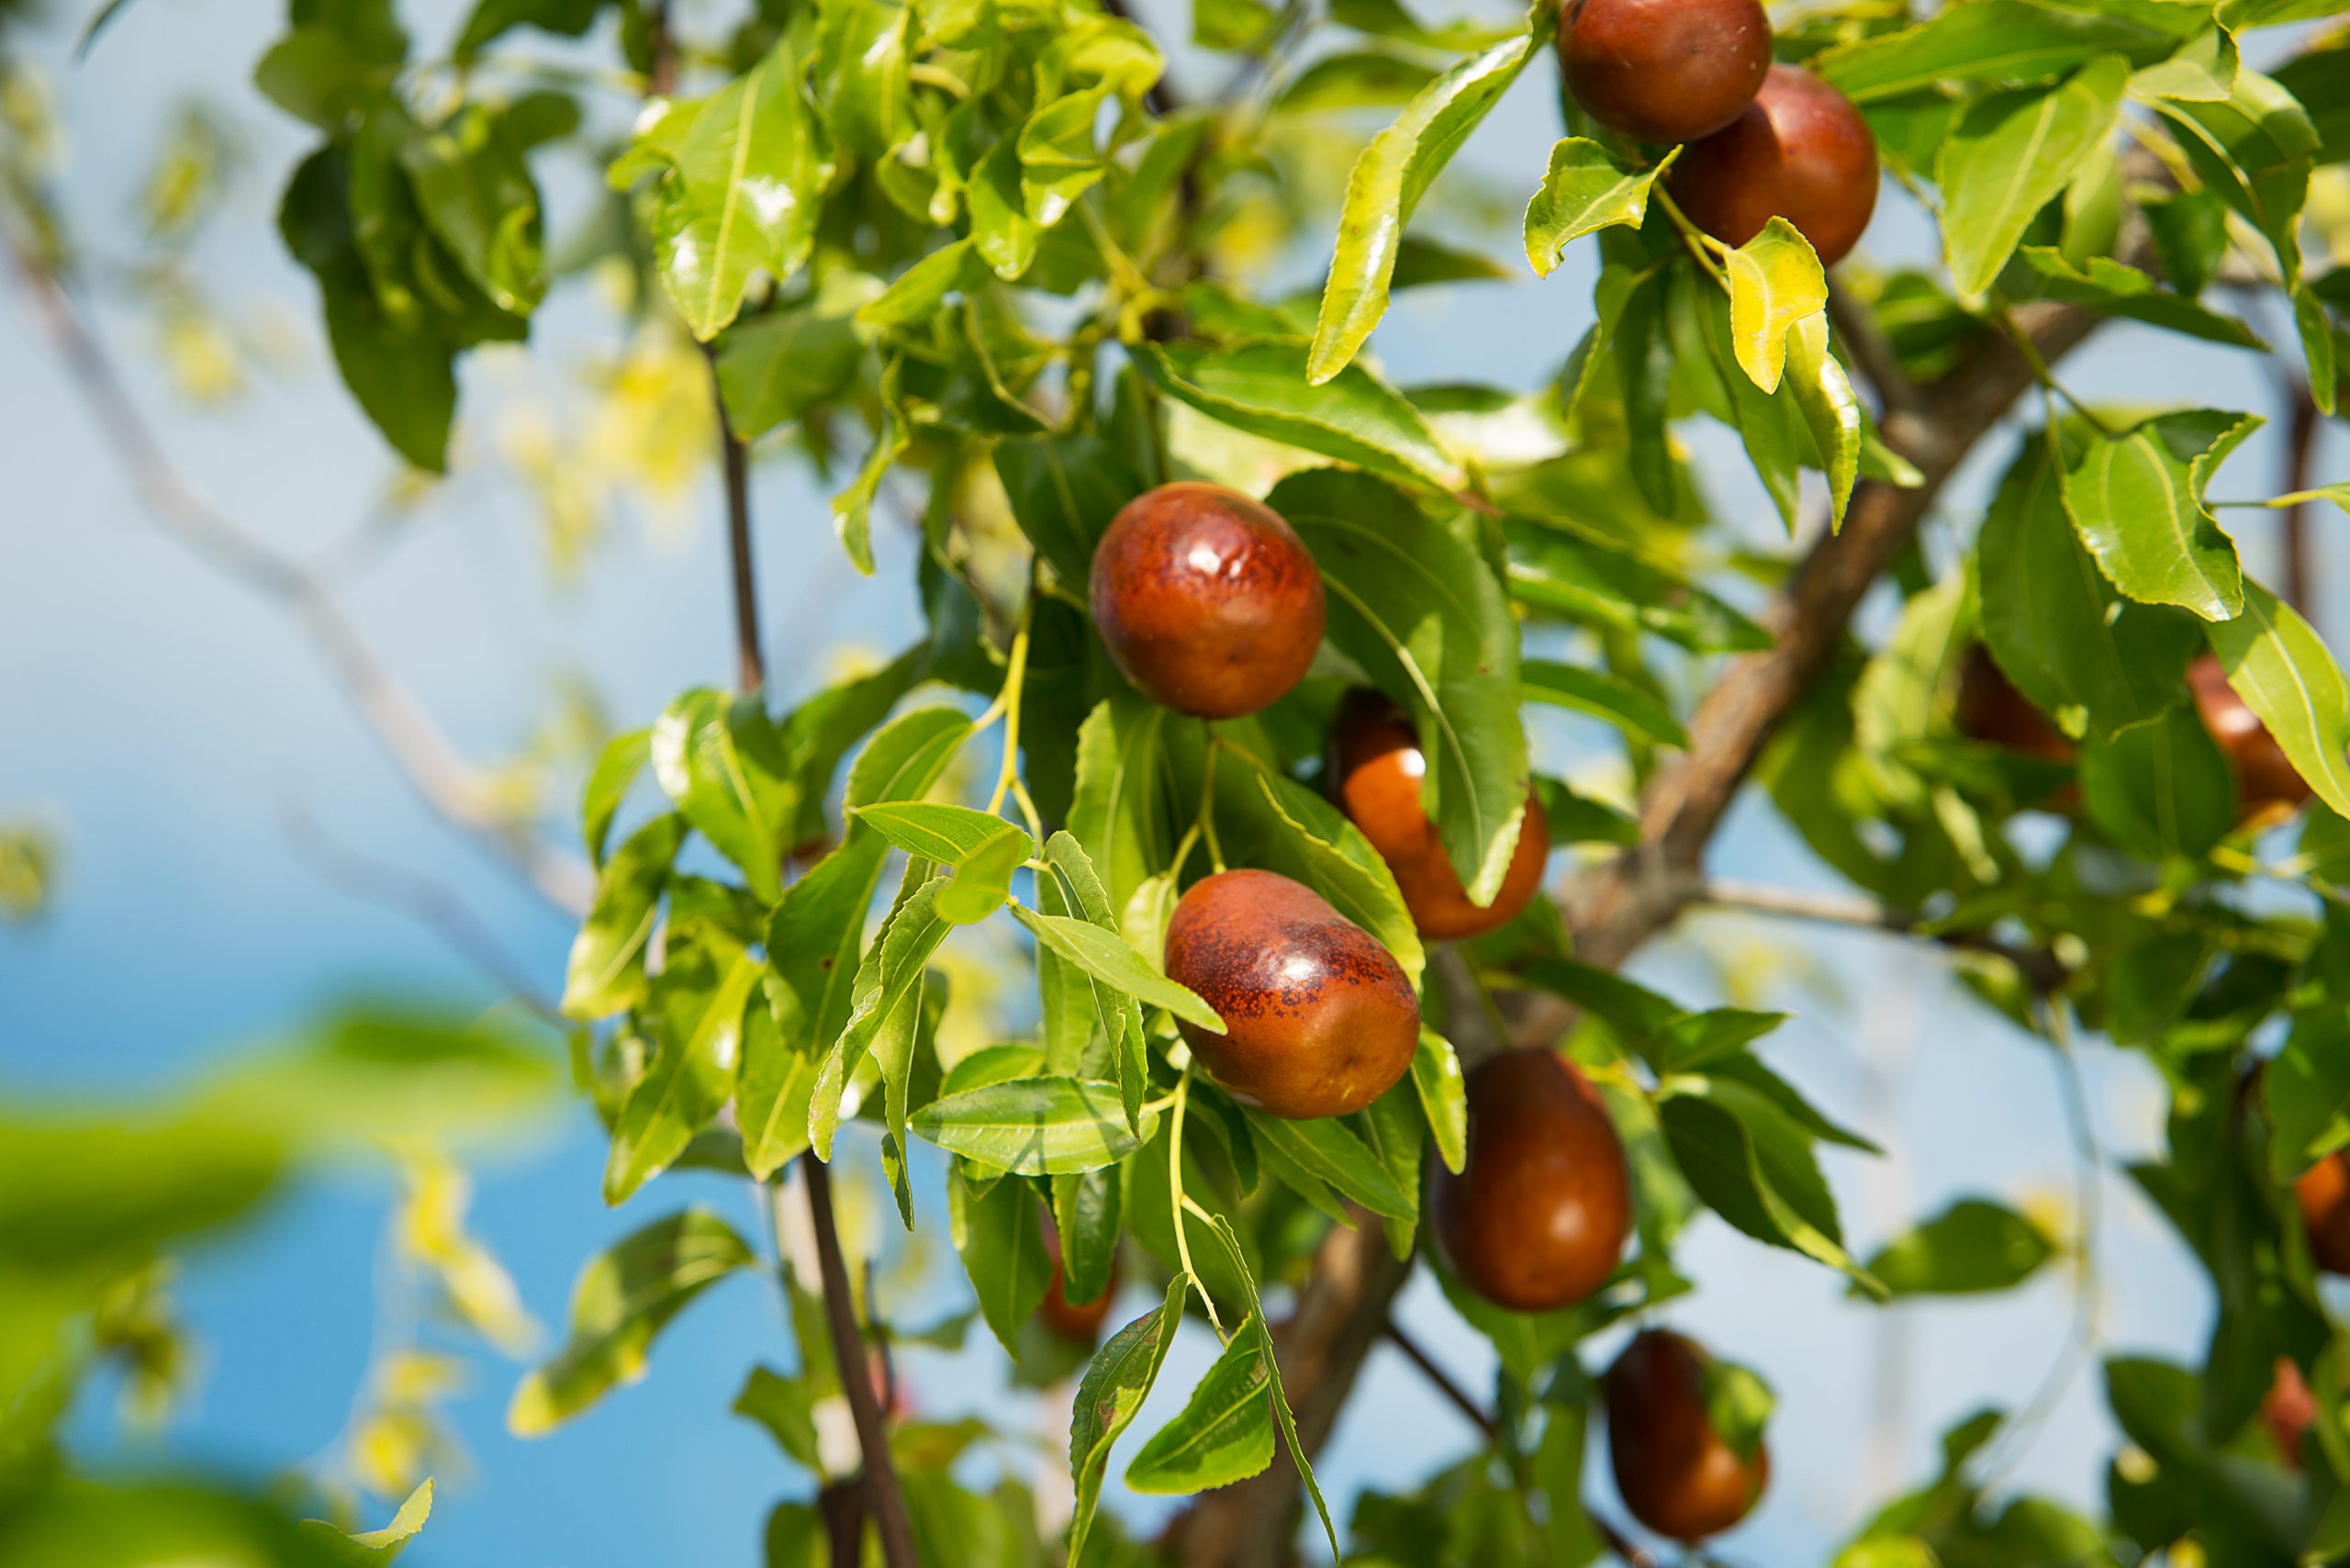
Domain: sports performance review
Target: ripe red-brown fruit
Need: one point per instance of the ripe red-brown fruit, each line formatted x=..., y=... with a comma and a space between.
x=1207, y=600
x=1377, y=765
x=2323, y=1195
x=1992, y=710
x=2267, y=781
x=1319, y=1018
x=1800, y=151
x=2289, y=1410
x=1664, y=70
x=1675, y=1472
x=1080, y=1323
x=1536, y=1218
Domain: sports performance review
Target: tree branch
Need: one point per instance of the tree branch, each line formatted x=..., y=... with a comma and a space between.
x=434, y=768
x=884, y=1500
x=1443, y=1382
x=2039, y=967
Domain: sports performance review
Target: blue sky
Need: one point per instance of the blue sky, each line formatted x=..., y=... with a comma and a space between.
x=169, y=722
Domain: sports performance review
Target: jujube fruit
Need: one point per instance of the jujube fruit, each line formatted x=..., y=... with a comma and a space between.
x=1664, y=70
x=1377, y=765
x=1800, y=151
x=1319, y=1018
x=1992, y=710
x=2267, y=780
x=1207, y=600
x=1080, y=1322
x=1677, y=1475
x=2323, y=1195
x=1536, y=1219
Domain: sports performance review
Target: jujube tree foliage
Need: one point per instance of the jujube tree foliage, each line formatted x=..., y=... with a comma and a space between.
x=1218, y=715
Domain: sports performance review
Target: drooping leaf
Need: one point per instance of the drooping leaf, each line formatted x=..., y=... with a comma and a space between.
x=606, y=970
x=2009, y=157
x=1584, y=190
x=1035, y=1126
x=1116, y=1381
x=1109, y=958
x=1003, y=1246
x=2276, y=661
x=888, y=986
x=701, y=1006
x=2137, y=500
x=1223, y=1433
x=1775, y=282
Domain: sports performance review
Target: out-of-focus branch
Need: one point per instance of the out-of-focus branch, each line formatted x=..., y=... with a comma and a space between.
x=2042, y=968
x=2301, y=440
x=450, y=785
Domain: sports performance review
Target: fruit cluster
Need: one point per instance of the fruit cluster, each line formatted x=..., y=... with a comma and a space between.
x=1210, y=604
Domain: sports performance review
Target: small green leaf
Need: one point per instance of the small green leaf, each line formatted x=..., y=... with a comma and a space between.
x=983, y=850
x=1325, y=1149
x=2009, y=157
x=606, y=970
x=2137, y=500
x=2283, y=670
x=1738, y=1405
x=1629, y=708
x=1972, y=1246
x=1776, y=281
x=720, y=760
x=853, y=508
x=699, y=1007
x=625, y=1298
x=616, y=766
x=1109, y=958
x=1436, y=1078
x=1823, y=392
x=1116, y=1381
x=1003, y=1246
x=1035, y=1126
x=1986, y=40
x=888, y=987
x=1223, y=1434
x=1584, y=191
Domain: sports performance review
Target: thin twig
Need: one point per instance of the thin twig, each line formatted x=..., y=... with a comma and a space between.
x=450, y=785
x=2041, y=968
x=435, y=905
x=885, y=1500
x=2300, y=437
x=735, y=463
x=1620, y=1543
x=1443, y=1381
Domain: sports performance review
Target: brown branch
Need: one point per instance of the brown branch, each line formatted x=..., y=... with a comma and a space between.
x=735, y=462
x=884, y=1500
x=450, y=785
x=2040, y=967
x=2300, y=437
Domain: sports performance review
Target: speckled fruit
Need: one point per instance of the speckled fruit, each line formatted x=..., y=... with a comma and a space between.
x=1992, y=710
x=1664, y=70
x=2267, y=784
x=2323, y=1195
x=1080, y=1323
x=1800, y=151
x=1674, y=1471
x=1319, y=1018
x=1207, y=600
x=1377, y=765
x=1536, y=1218
x=2289, y=1410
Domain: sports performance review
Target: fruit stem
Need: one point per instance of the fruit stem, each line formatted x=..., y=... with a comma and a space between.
x=1206, y=822
x=1175, y=1187
x=1007, y=701
x=1702, y=245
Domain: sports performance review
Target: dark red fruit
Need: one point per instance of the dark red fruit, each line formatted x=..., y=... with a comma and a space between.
x=1675, y=1472
x=1992, y=710
x=1319, y=1018
x=1080, y=1323
x=2323, y=1195
x=1207, y=600
x=1377, y=766
x=2267, y=784
x=1800, y=151
x=1664, y=70
x=1537, y=1218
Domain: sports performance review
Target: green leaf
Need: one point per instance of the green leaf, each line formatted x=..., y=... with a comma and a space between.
x=719, y=759
x=785, y=1408
x=1260, y=387
x=1776, y=281
x=1087, y=1210
x=1738, y=1405
x=2009, y=157
x=1112, y=959
x=700, y=1006
x=2054, y=624
x=853, y=507
x=1116, y=1381
x=772, y=1092
x=743, y=178
x=1419, y=609
x=476, y=195
x=2281, y=668
x=2114, y=288
x=375, y=1547
x=1120, y=1014
x=1385, y=186
x=1035, y=1126
x=1064, y=489
x=1353, y=79
x=861, y=60
x=983, y=850
x=2137, y=500
x=1824, y=396
x=2307, y=1088
x=1986, y=40
x=1119, y=807
x=2161, y=789
x=616, y=769
x=606, y=970
x=921, y=290
x=1752, y=1164
x=1003, y=1248
x=1974, y=1245
x=492, y=19
x=777, y=367
x=1444, y=1100
x=1227, y=1242
x=1629, y=708
x=1584, y=191
x=888, y=989
x=624, y=1297
x=1223, y=1434
x=1325, y=1149
x=1528, y=1344
x=1579, y=572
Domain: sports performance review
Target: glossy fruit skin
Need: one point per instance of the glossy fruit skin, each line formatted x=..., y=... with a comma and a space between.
x=1675, y=1473
x=1664, y=70
x=2267, y=781
x=1800, y=151
x=1992, y=710
x=1207, y=600
x=2323, y=1195
x=1376, y=764
x=1320, y=1019
x=1537, y=1218
x=1080, y=1323
x=2289, y=1410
